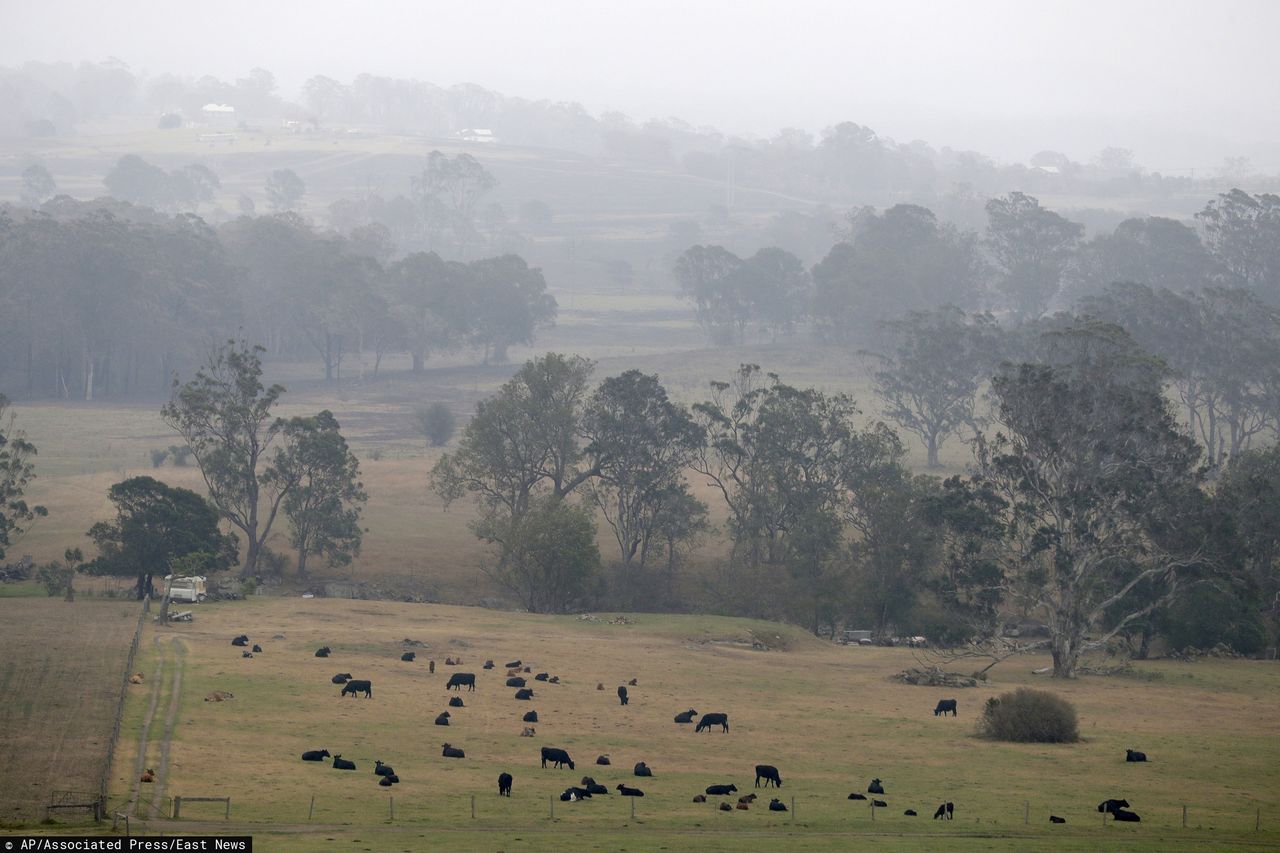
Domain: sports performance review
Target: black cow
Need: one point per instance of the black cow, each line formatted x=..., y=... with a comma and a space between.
x=630, y=792
x=504, y=783
x=856, y=796
x=515, y=681
x=513, y=664
x=909, y=813
x=1125, y=817
x=1112, y=805
x=449, y=751
x=1053, y=818
x=456, y=702
x=460, y=678
x=489, y=665
x=574, y=794
x=769, y=774
x=388, y=781
x=875, y=787
x=686, y=716
x=542, y=676
x=408, y=656
x=443, y=719
x=1134, y=755
x=256, y=649
x=340, y=763
x=709, y=720
x=622, y=694
x=880, y=804
x=524, y=693
x=380, y=769
x=602, y=760
x=944, y=706
x=530, y=717
x=341, y=678
x=642, y=769
x=945, y=811
x=246, y=654
x=242, y=640
x=357, y=685
x=557, y=756
x=315, y=755
x=594, y=787
x=322, y=652
x=777, y=806
x=722, y=790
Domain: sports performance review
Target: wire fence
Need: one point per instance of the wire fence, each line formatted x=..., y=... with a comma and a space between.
x=105, y=778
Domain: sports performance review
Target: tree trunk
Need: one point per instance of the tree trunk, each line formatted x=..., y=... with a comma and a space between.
x=250, y=558
x=302, y=562
x=1066, y=654
x=931, y=445
x=1144, y=647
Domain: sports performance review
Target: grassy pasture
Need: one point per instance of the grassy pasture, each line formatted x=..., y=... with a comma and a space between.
x=827, y=716
x=60, y=675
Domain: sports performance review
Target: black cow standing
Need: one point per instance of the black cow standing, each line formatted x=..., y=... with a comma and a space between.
x=458, y=679
x=944, y=707
x=769, y=774
x=709, y=720
x=622, y=694
x=356, y=685
x=504, y=785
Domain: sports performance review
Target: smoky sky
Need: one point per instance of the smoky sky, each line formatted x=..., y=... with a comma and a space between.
x=1183, y=83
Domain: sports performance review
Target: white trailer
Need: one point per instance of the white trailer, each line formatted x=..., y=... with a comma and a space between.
x=185, y=589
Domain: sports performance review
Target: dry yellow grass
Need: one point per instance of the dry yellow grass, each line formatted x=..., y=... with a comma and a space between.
x=827, y=716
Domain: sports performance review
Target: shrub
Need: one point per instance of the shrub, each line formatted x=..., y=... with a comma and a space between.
x=1030, y=716
x=181, y=454
x=437, y=423
x=56, y=577
x=158, y=457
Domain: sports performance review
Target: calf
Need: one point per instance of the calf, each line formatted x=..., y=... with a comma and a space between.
x=388, y=781
x=431, y=667
x=725, y=807
x=769, y=774
x=602, y=760
x=1053, y=818
x=630, y=792
x=557, y=756
x=456, y=702
x=542, y=676
x=489, y=665
x=524, y=693
x=246, y=654
x=504, y=783
x=315, y=755
x=515, y=682
x=944, y=707
x=256, y=649
x=530, y=717
x=340, y=763
x=700, y=798
x=748, y=798
x=722, y=790
x=341, y=678
x=380, y=769
x=1125, y=817
x=449, y=751
x=642, y=769
x=1112, y=805
x=458, y=679
x=357, y=685
x=686, y=716
x=777, y=806
x=594, y=787
x=442, y=719
x=632, y=682
x=875, y=787
x=909, y=813
x=743, y=806
x=322, y=652
x=242, y=640
x=622, y=694
x=408, y=656
x=709, y=720
x=555, y=679
x=1134, y=755
x=528, y=731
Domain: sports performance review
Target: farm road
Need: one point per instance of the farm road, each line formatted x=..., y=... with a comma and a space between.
x=177, y=655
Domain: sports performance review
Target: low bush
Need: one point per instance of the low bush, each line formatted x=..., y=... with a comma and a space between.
x=1030, y=716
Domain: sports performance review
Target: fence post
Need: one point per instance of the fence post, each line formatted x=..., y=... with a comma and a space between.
x=1257, y=820
x=1184, y=815
x=793, y=808
x=473, y=806
x=391, y=803
x=1026, y=811
x=312, y=809
x=177, y=807
x=873, y=811
x=633, y=807
x=551, y=801
x=227, y=814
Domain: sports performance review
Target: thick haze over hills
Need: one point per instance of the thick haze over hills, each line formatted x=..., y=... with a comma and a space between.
x=1182, y=84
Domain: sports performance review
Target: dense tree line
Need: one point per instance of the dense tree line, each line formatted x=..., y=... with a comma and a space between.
x=108, y=299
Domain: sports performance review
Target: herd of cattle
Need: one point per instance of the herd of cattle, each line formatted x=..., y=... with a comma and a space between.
x=588, y=787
